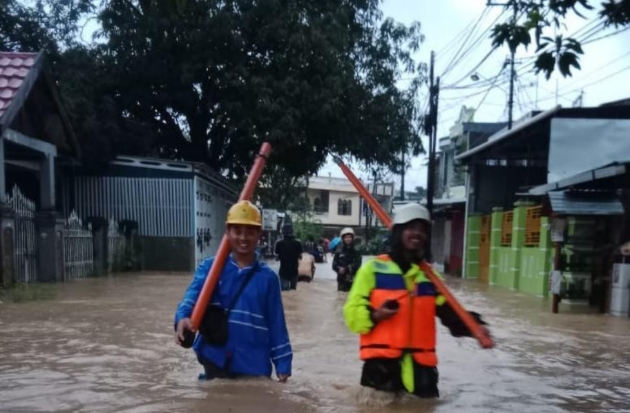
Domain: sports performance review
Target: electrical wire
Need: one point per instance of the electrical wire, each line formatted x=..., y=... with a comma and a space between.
x=471, y=33
x=606, y=35
x=476, y=42
x=456, y=40
x=588, y=84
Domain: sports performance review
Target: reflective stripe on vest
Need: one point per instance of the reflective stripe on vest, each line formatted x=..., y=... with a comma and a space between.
x=412, y=329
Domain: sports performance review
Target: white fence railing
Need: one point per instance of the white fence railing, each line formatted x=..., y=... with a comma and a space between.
x=25, y=252
x=78, y=248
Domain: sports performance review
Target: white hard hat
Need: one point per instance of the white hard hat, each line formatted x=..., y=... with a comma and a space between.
x=410, y=212
x=346, y=231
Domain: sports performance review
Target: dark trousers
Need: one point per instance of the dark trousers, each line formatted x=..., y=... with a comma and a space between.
x=288, y=283
x=344, y=282
x=288, y=278
x=385, y=375
x=212, y=371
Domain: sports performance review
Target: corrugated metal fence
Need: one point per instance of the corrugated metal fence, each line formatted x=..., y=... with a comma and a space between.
x=163, y=207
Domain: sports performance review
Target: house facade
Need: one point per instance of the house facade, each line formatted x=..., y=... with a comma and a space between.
x=522, y=182
x=35, y=135
x=335, y=202
x=449, y=211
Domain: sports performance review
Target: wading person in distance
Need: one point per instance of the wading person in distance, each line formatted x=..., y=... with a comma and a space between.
x=346, y=260
x=288, y=251
x=393, y=305
x=243, y=331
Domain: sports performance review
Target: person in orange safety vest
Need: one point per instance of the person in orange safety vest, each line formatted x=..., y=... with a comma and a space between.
x=393, y=305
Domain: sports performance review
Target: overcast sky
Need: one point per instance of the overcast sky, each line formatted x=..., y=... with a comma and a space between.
x=605, y=74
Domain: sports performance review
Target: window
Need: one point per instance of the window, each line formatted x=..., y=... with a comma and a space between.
x=506, y=228
x=532, y=226
x=317, y=205
x=344, y=207
x=320, y=203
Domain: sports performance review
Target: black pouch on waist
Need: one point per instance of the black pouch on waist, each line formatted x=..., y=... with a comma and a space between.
x=214, y=325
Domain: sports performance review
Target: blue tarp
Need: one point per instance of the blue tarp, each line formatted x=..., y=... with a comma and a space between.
x=333, y=244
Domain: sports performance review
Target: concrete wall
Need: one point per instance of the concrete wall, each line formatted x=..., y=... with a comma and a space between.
x=168, y=254
x=536, y=263
x=508, y=268
x=518, y=267
x=472, y=246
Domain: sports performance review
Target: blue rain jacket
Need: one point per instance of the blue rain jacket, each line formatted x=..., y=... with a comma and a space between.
x=257, y=331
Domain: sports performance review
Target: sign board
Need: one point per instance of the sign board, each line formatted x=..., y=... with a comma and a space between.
x=269, y=219
x=558, y=225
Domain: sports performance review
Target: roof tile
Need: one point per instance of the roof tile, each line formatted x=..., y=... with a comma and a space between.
x=14, y=68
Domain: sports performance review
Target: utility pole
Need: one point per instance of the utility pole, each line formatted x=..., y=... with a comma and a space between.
x=514, y=4
x=402, y=178
x=431, y=131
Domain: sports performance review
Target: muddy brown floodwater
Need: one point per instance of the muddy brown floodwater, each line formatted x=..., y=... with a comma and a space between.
x=106, y=345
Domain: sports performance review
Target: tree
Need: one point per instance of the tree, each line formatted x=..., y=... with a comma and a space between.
x=541, y=16
x=209, y=80
x=41, y=24
x=82, y=77
x=310, y=77
x=280, y=190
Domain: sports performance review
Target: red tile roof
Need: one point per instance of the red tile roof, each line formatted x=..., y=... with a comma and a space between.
x=14, y=68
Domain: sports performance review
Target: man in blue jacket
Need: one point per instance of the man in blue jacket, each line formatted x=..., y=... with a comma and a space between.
x=257, y=334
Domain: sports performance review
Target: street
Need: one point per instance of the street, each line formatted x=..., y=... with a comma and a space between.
x=106, y=345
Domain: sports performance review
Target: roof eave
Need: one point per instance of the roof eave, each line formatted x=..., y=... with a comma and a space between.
x=509, y=133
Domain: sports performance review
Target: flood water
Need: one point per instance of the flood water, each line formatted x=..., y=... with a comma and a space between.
x=106, y=345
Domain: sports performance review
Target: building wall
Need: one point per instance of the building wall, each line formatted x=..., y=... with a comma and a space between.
x=167, y=253
x=472, y=246
x=439, y=254
x=210, y=212
x=180, y=220
x=516, y=266
x=456, y=242
x=496, y=186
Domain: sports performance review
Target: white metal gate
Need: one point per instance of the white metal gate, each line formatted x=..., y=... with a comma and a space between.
x=78, y=248
x=25, y=268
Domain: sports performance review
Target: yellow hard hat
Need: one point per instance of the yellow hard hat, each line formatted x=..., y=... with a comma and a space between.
x=244, y=213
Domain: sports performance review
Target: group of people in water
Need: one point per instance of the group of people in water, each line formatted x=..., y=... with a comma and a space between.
x=390, y=303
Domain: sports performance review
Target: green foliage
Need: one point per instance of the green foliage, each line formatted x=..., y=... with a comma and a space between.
x=41, y=24
x=544, y=15
x=28, y=292
x=308, y=229
x=280, y=190
x=375, y=243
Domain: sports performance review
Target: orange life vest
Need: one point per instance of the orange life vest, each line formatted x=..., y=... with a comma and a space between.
x=412, y=329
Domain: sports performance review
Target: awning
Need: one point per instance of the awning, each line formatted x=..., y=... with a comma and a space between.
x=584, y=203
x=449, y=201
x=589, y=176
